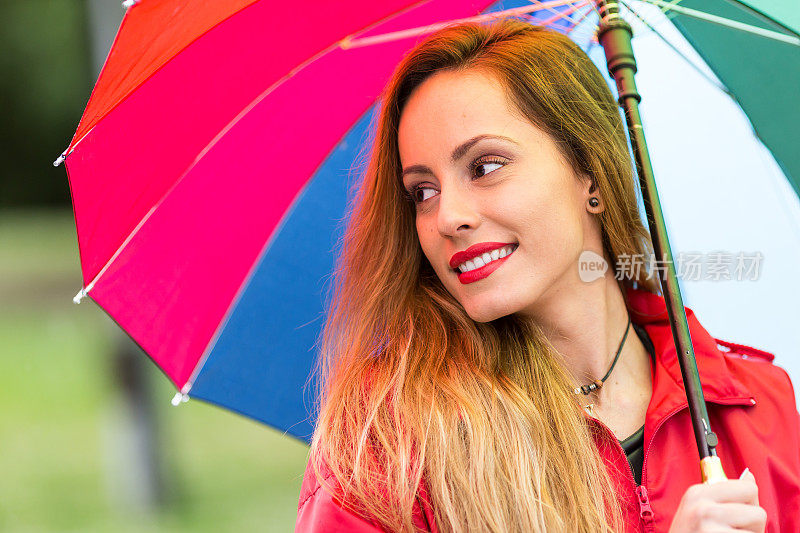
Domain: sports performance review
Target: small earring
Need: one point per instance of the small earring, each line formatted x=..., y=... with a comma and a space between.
x=593, y=201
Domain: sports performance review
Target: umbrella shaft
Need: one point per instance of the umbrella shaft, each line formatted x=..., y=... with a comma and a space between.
x=615, y=37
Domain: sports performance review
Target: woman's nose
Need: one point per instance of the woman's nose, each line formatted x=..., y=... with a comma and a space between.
x=456, y=211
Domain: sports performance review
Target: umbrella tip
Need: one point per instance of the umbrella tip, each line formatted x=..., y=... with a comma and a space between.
x=129, y=3
x=60, y=159
x=80, y=296
x=179, y=398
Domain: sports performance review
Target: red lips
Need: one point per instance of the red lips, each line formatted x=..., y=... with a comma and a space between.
x=474, y=251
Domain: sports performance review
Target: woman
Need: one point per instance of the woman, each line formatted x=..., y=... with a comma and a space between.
x=470, y=392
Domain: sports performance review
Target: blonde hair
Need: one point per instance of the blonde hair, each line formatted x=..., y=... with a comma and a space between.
x=411, y=389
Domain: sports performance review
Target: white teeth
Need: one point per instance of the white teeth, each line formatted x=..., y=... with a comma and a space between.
x=488, y=257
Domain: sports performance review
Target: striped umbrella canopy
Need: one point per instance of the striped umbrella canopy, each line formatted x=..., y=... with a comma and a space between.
x=211, y=170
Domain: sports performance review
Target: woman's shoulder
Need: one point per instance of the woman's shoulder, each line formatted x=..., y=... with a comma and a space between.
x=311, y=483
x=320, y=506
x=758, y=371
x=773, y=414
x=310, y=486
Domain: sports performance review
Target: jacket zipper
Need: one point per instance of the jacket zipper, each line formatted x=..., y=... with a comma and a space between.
x=642, y=500
x=646, y=514
x=645, y=511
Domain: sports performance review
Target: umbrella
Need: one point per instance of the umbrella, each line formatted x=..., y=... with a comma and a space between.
x=212, y=167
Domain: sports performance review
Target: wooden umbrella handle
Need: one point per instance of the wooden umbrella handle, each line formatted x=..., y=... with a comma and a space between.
x=711, y=469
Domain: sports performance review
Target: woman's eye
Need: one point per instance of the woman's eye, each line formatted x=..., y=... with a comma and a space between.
x=418, y=193
x=481, y=167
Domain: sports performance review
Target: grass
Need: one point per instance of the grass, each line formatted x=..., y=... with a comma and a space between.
x=66, y=461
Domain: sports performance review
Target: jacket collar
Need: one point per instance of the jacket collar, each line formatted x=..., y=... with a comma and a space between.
x=720, y=385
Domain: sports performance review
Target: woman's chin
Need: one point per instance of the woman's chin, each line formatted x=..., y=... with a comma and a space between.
x=487, y=313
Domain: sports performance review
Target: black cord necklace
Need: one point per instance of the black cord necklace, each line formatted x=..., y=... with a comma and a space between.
x=598, y=383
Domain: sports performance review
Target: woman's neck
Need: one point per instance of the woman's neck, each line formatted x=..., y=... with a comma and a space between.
x=586, y=322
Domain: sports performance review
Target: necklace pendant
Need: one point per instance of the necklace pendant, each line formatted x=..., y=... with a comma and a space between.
x=589, y=408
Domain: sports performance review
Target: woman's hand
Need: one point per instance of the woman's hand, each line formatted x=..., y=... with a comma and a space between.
x=730, y=505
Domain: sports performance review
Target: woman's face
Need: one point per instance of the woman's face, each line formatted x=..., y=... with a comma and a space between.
x=482, y=175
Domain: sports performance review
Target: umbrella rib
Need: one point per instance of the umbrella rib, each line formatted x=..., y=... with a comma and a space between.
x=567, y=13
x=675, y=49
x=579, y=25
x=722, y=21
x=562, y=14
x=118, y=251
x=764, y=17
x=349, y=42
x=583, y=17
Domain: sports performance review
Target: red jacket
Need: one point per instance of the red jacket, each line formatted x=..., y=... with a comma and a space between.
x=752, y=409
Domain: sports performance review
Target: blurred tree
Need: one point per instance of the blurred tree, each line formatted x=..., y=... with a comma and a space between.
x=45, y=82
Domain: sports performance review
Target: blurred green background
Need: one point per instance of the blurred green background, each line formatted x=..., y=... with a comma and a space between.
x=79, y=450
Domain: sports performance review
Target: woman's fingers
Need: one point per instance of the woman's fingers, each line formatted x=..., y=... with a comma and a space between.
x=748, y=475
x=725, y=505
x=740, y=516
x=742, y=490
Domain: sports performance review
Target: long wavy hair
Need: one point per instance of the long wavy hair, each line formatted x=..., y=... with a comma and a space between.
x=413, y=391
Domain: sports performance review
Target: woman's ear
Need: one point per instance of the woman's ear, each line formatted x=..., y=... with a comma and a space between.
x=594, y=203
x=592, y=183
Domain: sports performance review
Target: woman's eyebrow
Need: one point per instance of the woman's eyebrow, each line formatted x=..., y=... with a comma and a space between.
x=464, y=147
x=457, y=154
